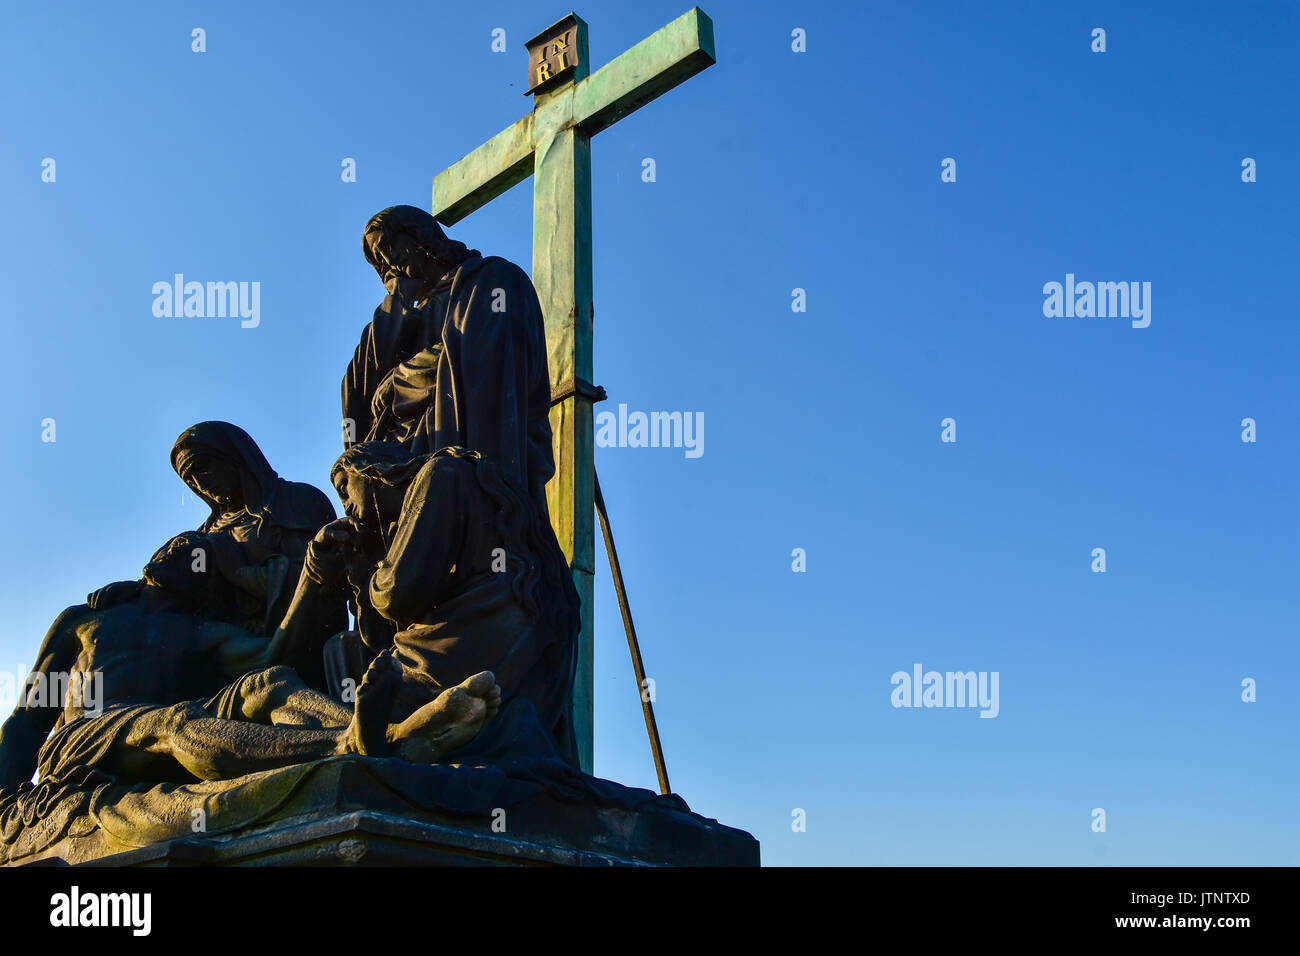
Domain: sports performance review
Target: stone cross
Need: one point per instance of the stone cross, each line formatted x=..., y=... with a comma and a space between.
x=553, y=144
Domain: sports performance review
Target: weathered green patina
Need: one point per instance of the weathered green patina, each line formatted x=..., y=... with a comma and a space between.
x=553, y=144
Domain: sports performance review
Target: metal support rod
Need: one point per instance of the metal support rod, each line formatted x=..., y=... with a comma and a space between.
x=647, y=708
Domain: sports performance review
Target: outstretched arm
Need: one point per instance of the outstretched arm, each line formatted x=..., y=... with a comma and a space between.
x=23, y=733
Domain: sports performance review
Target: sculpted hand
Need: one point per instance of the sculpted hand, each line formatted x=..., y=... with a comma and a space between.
x=360, y=568
x=326, y=560
x=362, y=557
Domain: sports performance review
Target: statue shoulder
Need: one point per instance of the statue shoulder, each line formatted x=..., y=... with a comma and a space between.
x=299, y=506
x=448, y=464
x=385, y=316
x=493, y=273
x=498, y=269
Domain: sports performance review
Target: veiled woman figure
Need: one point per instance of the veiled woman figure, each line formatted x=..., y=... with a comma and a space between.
x=258, y=526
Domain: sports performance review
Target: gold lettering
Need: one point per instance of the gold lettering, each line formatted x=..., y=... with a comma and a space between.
x=553, y=57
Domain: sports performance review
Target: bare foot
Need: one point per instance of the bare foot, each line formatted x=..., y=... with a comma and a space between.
x=454, y=718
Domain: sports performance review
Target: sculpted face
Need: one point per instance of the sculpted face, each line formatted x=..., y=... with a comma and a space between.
x=406, y=268
x=370, y=502
x=173, y=569
x=213, y=479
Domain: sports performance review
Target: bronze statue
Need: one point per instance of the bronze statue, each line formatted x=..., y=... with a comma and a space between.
x=217, y=678
x=455, y=354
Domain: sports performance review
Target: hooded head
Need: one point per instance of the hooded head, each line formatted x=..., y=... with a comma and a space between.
x=409, y=250
x=371, y=479
x=223, y=465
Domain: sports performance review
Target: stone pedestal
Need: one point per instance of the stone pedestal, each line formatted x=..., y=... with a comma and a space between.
x=346, y=812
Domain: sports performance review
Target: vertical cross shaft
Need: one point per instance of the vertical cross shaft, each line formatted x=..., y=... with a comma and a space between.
x=562, y=277
x=553, y=143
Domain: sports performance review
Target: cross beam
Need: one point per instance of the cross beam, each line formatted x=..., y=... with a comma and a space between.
x=553, y=144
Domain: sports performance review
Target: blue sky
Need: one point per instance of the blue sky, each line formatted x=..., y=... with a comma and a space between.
x=775, y=170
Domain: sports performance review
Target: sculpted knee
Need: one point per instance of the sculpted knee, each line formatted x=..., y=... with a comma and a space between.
x=278, y=676
x=155, y=730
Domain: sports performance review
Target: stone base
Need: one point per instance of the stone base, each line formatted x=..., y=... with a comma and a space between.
x=364, y=838
x=339, y=817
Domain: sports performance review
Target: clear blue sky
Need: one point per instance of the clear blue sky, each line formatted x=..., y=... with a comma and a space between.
x=775, y=170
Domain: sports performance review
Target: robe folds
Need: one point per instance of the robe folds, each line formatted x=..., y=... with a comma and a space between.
x=473, y=372
x=475, y=580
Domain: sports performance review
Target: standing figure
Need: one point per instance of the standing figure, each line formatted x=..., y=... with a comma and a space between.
x=455, y=354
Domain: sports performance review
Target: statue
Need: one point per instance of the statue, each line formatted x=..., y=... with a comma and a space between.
x=455, y=354
x=455, y=692
x=450, y=388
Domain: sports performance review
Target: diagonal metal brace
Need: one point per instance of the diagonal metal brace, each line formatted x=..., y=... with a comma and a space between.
x=647, y=708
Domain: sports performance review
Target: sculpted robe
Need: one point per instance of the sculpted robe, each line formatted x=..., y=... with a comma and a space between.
x=475, y=580
x=467, y=368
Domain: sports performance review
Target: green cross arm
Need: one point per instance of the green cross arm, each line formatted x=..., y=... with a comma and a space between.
x=625, y=84
x=652, y=67
x=503, y=161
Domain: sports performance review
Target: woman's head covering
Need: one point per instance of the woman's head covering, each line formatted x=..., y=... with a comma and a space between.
x=267, y=497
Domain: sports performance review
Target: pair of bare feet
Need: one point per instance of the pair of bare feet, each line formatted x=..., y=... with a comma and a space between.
x=450, y=720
